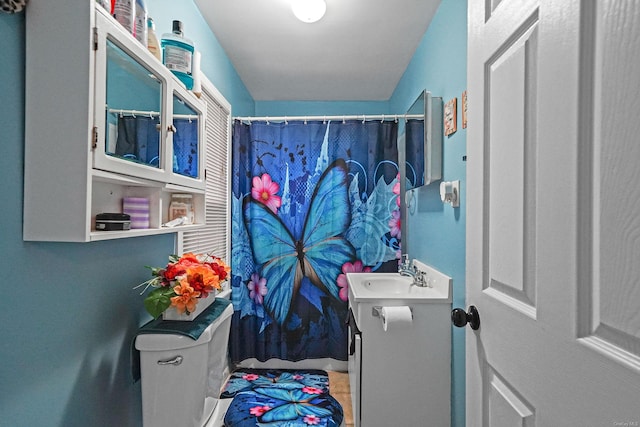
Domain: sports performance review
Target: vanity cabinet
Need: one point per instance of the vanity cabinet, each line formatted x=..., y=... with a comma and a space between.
x=104, y=120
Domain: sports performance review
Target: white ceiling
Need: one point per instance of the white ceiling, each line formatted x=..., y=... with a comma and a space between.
x=357, y=52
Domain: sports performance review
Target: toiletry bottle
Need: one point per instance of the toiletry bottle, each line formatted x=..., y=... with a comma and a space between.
x=177, y=54
x=152, y=40
x=141, y=22
x=124, y=11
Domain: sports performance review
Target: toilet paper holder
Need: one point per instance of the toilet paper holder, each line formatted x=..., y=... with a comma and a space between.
x=376, y=311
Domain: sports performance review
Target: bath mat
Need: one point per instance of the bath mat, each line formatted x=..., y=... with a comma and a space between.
x=251, y=379
x=281, y=398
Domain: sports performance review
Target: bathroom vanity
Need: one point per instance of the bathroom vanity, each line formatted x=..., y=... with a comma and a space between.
x=402, y=375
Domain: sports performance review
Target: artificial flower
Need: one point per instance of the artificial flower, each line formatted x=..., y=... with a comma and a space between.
x=264, y=190
x=183, y=281
x=185, y=299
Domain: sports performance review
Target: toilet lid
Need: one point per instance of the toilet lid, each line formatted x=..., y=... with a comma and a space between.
x=147, y=340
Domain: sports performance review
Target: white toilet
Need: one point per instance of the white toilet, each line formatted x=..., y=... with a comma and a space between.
x=181, y=378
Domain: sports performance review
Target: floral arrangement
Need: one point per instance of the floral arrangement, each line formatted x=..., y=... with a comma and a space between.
x=183, y=281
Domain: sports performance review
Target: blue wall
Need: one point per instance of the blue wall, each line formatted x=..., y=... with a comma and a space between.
x=437, y=231
x=68, y=311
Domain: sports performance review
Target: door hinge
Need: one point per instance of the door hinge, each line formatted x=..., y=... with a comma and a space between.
x=94, y=138
x=205, y=174
x=95, y=38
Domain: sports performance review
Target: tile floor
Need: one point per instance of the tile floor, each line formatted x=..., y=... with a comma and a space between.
x=339, y=389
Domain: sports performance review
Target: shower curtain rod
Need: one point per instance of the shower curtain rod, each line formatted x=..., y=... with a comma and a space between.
x=150, y=114
x=363, y=117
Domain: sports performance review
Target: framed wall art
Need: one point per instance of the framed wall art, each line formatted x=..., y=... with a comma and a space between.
x=450, y=113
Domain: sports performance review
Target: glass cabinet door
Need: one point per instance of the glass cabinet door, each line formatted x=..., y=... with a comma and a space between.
x=187, y=141
x=147, y=124
x=185, y=138
x=133, y=108
x=129, y=105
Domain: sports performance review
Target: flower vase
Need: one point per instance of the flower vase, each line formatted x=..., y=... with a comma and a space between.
x=172, y=314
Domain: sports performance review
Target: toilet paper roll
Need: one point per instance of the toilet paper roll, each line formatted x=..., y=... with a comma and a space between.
x=396, y=317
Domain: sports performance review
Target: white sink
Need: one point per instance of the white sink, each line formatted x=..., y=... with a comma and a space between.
x=388, y=285
x=379, y=286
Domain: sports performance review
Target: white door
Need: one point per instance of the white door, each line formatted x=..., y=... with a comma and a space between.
x=553, y=213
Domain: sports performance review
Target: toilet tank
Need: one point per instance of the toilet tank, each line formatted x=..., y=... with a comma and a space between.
x=179, y=375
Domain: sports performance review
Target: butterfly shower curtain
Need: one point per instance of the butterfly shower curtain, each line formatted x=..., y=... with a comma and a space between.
x=311, y=201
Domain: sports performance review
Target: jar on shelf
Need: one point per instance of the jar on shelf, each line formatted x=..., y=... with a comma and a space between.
x=182, y=206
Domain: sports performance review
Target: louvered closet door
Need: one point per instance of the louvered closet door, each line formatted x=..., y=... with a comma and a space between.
x=214, y=237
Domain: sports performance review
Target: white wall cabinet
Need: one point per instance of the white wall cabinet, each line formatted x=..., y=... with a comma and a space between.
x=104, y=120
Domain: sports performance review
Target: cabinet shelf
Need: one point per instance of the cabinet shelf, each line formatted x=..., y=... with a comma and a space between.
x=80, y=159
x=108, y=235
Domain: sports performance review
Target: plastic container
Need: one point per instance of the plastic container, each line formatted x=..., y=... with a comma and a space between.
x=138, y=209
x=125, y=12
x=112, y=222
x=141, y=22
x=182, y=206
x=177, y=54
x=152, y=40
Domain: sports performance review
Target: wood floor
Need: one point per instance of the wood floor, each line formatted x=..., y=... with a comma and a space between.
x=339, y=389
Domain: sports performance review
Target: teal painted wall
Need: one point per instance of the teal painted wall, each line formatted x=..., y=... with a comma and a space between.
x=437, y=231
x=68, y=311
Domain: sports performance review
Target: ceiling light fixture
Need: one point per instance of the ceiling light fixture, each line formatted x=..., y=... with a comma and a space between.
x=309, y=10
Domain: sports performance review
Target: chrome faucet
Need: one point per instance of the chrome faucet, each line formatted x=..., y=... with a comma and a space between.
x=406, y=269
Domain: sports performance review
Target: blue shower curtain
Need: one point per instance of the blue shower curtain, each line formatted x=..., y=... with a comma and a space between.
x=311, y=202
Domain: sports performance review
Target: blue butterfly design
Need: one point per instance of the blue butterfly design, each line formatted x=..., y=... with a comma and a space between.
x=276, y=379
x=286, y=408
x=317, y=254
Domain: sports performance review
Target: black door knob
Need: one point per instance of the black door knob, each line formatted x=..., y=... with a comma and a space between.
x=460, y=318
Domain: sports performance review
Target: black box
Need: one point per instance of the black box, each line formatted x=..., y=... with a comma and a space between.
x=113, y=221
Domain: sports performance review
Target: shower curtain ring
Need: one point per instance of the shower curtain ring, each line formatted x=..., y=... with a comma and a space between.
x=382, y=121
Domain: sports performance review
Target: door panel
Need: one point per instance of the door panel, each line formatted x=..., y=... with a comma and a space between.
x=609, y=264
x=553, y=213
x=510, y=148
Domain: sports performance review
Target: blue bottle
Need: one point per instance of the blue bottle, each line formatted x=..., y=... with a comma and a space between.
x=177, y=54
